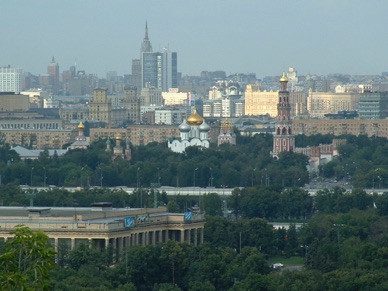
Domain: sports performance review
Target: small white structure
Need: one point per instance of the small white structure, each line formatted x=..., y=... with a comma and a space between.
x=193, y=132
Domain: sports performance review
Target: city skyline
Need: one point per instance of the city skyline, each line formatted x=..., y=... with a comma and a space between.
x=261, y=37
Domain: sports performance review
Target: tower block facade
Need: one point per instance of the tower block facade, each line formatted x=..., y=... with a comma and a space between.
x=283, y=139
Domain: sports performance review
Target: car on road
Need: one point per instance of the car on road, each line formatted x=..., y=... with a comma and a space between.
x=277, y=266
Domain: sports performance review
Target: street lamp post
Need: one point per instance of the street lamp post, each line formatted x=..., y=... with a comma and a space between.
x=137, y=184
x=32, y=169
x=101, y=177
x=137, y=178
x=194, y=187
x=82, y=171
x=211, y=177
x=141, y=194
x=159, y=177
x=194, y=176
x=45, y=177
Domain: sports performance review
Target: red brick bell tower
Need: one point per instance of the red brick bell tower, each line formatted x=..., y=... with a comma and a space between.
x=283, y=138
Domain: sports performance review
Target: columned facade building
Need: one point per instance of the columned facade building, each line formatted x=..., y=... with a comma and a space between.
x=102, y=226
x=283, y=139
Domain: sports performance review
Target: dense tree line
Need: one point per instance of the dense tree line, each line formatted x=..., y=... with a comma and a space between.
x=247, y=164
x=346, y=251
x=342, y=252
x=362, y=162
x=344, y=240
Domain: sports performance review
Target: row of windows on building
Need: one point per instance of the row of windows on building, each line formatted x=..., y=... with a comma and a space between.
x=30, y=126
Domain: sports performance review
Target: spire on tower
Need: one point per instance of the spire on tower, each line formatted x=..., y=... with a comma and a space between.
x=146, y=46
x=146, y=31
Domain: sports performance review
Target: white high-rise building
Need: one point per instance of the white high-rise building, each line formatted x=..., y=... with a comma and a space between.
x=11, y=79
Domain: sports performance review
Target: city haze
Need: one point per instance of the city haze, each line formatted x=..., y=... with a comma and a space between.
x=262, y=37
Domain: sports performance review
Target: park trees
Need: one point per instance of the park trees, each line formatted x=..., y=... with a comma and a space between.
x=27, y=261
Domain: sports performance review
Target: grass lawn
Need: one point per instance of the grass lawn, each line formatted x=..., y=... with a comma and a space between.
x=287, y=261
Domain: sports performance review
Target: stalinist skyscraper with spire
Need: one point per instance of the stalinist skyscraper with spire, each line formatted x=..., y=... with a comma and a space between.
x=146, y=46
x=154, y=69
x=283, y=138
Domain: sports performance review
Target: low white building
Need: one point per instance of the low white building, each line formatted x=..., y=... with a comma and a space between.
x=173, y=97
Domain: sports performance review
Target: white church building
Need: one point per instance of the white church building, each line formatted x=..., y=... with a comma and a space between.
x=193, y=132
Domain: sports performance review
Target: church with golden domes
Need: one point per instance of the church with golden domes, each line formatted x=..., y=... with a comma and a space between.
x=193, y=132
x=81, y=140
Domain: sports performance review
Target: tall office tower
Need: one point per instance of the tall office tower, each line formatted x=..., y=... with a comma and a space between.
x=136, y=74
x=53, y=72
x=170, y=70
x=11, y=79
x=159, y=70
x=100, y=107
x=283, y=139
x=136, y=78
x=131, y=102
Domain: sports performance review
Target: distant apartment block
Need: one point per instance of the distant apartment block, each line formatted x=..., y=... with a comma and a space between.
x=259, y=102
x=321, y=103
x=151, y=96
x=10, y=101
x=171, y=115
x=373, y=105
x=137, y=134
x=11, y=79
x=372, y=127
x=39, y=138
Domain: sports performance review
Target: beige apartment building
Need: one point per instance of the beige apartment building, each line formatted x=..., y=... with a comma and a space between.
x=374, y=127
x=265, y=102
x=137, y=134
x=14, y=102
x=40, y=138
x=321, y=103
x=100, y=107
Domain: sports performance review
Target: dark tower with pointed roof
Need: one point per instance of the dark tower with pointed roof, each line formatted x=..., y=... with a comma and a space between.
x=283, y=139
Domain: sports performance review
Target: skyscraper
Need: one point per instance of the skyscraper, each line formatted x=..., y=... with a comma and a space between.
x=159, y=69
x=136, y=78
x=156, y=69
x=53, y=72
x=146, y=46
x=283, y=138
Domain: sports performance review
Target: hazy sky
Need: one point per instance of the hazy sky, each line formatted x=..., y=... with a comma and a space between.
x=239, y=36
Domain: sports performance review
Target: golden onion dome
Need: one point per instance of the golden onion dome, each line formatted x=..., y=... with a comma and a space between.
x=284, y=78
x=81, y=125
x=118, y=136
x=195, y=118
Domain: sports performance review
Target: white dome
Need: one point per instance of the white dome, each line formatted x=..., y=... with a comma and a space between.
x=204, y=127
x=184, y=127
